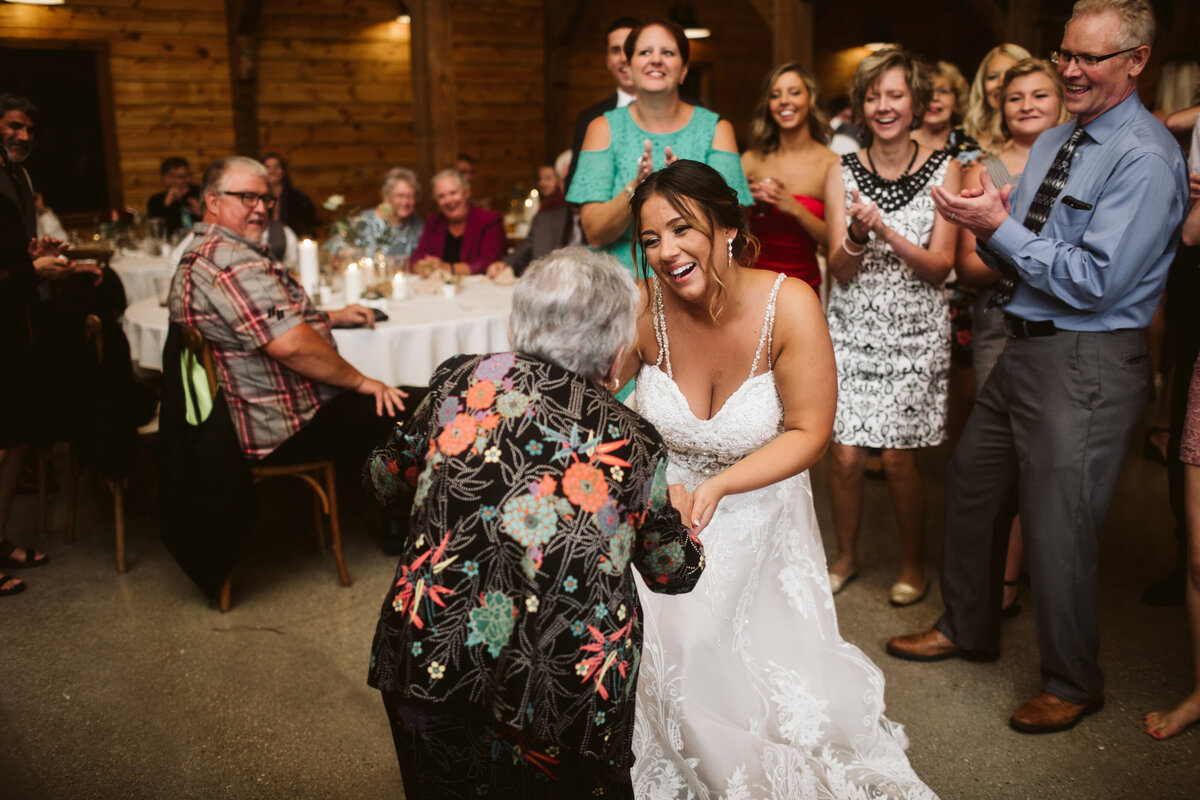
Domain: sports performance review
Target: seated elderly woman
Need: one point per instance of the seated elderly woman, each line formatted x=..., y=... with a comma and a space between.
x=459, y=237
x=392, y=226
x=513, y=625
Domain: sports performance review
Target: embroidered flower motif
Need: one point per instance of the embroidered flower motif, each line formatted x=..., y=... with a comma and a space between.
x=481, y=394
x=471, y=568
x=617, y=474
x=457, y=435
x=570, y=584
x=481, y=789
x=417, y=583
x=619, y=546
x=492, y=623
x=601, y=611
x=656, y=493
x=582, y=668
x=448, y=410
x=534, y=448
x=480, y=442
x=531, y=604
x=487, y=513
x=530, y=520
x=600, y=717
x=621, y=612
x=585, y=486
x=436, y=671
x=614, y=431
x=512, y=404
x=424, y=480
x=416, y=648
x=577, y=627
x=495, y=367
x=665, y=559
x=608, y=518
x=491, y=455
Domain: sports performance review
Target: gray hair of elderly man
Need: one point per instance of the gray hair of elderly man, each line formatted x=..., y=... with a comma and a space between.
x=214, y=173
x=394, y=176
x=575, y=308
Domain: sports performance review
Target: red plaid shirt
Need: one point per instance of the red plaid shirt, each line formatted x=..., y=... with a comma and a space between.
x=240, y=300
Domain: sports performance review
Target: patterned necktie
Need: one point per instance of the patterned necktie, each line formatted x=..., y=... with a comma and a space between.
x=1039, y=211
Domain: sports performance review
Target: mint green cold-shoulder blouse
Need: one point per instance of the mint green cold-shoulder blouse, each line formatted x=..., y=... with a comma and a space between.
x=600, y=175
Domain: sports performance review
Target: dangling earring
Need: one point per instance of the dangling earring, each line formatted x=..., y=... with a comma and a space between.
x=731, y=252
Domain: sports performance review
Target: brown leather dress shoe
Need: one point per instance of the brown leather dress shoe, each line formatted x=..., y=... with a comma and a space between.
x=1047, y=713
x=933, y=645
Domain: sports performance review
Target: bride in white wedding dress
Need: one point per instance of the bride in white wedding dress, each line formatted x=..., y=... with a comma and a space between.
x=746, y=688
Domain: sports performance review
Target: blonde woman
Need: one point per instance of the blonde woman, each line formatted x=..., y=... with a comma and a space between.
x=982, y=122
x=942, y=129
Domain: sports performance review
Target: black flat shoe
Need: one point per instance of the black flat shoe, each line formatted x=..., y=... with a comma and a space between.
x=15, y=586
x=32, y=557
x=1013, y=609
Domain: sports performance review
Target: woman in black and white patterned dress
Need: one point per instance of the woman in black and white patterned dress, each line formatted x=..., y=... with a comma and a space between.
x=889, y=253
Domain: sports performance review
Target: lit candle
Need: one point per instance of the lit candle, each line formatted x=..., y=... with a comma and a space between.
x=310, y=272
x=353, y=283
x=399, y=287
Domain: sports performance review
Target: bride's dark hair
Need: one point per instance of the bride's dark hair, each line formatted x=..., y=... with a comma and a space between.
x=706, y=202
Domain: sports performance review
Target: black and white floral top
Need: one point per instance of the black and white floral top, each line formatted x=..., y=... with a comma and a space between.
x=533, y=492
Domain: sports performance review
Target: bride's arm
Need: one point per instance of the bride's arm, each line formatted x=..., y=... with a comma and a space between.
x=806, y=377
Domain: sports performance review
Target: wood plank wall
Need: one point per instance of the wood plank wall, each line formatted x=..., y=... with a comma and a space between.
x=170, y=77
x=335, y=94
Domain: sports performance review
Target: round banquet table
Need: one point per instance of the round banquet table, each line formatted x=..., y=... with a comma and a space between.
x=138, y=271
x=420, y=333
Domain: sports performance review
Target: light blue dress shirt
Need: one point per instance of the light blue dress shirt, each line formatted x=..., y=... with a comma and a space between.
x=1100, y=262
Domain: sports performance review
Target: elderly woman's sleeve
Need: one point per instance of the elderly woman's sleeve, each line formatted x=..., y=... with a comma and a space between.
x=390, y=472
x=667, y=554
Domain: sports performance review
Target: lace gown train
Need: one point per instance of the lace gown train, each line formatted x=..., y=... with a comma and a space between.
x=746, y=688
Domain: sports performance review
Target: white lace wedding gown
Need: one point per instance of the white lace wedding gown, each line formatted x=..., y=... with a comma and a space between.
x=746, y=688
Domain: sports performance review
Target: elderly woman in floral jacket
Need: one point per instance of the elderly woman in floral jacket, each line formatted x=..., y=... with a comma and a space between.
x=508, y=647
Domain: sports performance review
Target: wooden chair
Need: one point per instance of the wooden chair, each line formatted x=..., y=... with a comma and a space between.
x=319, y=476
x=147, y=435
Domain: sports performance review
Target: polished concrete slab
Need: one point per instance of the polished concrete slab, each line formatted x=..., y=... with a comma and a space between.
x=133, y=686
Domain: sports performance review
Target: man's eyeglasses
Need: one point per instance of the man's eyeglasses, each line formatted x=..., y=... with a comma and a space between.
x=250, y=199
x=1084, y=61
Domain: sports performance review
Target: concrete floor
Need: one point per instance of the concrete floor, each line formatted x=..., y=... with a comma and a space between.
x=132, y=686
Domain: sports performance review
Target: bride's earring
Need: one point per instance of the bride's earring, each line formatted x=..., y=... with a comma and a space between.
x=731, y=252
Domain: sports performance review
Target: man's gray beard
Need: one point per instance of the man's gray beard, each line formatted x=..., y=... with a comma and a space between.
x=13, y=158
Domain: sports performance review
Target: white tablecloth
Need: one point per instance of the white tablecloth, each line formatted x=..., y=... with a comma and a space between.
x=420, y=333
x=138, y=271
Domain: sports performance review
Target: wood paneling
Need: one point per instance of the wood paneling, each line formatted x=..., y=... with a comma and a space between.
x=169, y=77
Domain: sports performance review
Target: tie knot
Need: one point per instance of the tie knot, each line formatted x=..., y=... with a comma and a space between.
x=1076, y=135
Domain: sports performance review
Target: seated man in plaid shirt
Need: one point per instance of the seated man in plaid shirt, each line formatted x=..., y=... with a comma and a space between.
x=291, y=396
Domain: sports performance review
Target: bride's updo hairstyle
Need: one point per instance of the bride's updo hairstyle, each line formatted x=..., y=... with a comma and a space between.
x=705, y=201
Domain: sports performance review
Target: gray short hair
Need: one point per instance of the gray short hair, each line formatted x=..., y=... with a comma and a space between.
x=574, y=308
x=394, y=176
x=1137, y=19
x=448, y=173
x=214, y=174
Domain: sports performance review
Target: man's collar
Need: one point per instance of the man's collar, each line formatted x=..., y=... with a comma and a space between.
x=624, y=98
x=1107, y=123
x=204, y=228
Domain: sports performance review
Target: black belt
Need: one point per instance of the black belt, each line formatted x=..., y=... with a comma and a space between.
x=1018, y=328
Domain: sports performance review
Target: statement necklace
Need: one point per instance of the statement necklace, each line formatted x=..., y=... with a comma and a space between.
x=907, y=169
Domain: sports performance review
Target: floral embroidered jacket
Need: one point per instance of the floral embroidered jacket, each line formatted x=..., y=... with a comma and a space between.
x=533, y=494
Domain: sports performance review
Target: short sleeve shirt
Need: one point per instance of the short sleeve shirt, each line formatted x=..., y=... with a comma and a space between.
x=240, y=300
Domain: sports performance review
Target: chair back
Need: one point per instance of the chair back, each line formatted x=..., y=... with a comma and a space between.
x=93, y=336
x=195, y=343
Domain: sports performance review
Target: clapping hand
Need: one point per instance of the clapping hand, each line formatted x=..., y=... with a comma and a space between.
x=645, y=163
x=866, y=214
x=981, y=211
x=46, y=246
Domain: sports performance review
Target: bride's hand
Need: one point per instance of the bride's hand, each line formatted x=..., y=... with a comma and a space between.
x=681, y=501
x=704, y=504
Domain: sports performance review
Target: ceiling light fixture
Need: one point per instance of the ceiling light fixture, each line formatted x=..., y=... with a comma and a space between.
x=684, y=13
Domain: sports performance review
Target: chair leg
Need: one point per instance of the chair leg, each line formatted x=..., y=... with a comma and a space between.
x=335, y=530
x=72, y=493
x=41, y=491
x=118, y=493
x=318, y=521
x=226, y=591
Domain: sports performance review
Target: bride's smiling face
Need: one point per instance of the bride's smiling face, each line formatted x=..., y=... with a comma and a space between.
x=680, y=254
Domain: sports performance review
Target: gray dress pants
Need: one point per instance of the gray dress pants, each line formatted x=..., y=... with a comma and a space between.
x=1050, y=428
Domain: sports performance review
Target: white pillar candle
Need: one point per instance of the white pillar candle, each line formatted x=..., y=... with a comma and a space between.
x=353, y=282
x=399, y=287
x=310, y=272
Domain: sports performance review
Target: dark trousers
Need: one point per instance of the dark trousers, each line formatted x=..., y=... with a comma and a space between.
x=455, y=752
x=1050, y=427
x=1183, y=332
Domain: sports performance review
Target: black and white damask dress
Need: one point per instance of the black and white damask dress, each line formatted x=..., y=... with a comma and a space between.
x=891, y=328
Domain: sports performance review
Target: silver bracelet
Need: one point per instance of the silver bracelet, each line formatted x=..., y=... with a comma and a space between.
x=849, y=252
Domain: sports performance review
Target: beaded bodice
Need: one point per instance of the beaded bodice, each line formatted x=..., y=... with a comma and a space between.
x=891, y=195
x=700, y=448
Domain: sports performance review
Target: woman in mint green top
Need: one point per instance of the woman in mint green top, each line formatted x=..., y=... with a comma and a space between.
x=623, y=147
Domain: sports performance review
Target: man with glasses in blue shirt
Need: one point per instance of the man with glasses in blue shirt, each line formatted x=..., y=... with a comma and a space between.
x=1083, y=247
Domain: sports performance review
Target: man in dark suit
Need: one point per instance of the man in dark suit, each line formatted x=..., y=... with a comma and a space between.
x=614, y=59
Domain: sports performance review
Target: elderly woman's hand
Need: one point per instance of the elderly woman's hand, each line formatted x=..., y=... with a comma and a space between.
x=681, y=501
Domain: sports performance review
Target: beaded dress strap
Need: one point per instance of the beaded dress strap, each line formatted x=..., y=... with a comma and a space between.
x=768, y=326
x=660, y=329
